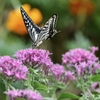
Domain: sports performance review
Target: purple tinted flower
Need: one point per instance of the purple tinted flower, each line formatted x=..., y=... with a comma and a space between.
x=57, y=70
x=69, y=76
x=81, y=68
x=61, y=74
x=93, y=48
x=34, y=57
x=81, y=61
x=13, y=68
x=86, y=68
x=95, y=86
x=27, y=94
x=93, y=66
x=76, y=56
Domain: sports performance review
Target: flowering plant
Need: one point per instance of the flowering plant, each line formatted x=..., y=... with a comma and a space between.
x=40, y=79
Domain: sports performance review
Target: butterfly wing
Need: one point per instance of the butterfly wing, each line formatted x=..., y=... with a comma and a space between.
x=55, y=18
x=44, y=34
x=47, y=31
x=32, y=29
x=50, y=26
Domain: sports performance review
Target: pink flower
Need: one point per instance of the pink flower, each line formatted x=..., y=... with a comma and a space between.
x=13, y=68
x=78, y=55
x=95, y=86
x=57, y=70
x=81, y=61
x=61, y=74
x=93, y=48
x=69, y=76
x=34, y=57
x=27, y=94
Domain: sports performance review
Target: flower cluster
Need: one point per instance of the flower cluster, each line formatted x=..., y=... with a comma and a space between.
x=34, y=57
x=27, y=94
x=57, y=70
x=76, y=56
x=83, y=61
x=61, y=74
x=14, y=18
x=12, y=68
x=80, y=64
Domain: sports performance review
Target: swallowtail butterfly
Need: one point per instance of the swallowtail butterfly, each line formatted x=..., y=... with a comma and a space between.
x=38, y=34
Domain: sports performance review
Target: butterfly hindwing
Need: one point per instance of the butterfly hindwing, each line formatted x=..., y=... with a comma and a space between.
x=45, y=30
x=48, y=30
x=32, y=29
x=49, y=27
x=55, y=18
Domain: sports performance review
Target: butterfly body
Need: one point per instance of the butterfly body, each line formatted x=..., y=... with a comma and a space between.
x=38, y=34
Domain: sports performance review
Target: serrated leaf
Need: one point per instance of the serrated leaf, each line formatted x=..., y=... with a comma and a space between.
x=96, y=78
x=68, y=95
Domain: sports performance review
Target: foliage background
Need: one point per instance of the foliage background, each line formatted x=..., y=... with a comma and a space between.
x=77, y=29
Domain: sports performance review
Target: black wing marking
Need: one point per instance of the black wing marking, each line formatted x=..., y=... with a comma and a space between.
x=55, y=18
x=53, y=31
x=49, y=27
x=46, y=27
x=32, y=29
x=47, y=30
x=44, y=34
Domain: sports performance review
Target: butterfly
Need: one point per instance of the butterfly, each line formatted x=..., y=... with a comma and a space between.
x=38, y=34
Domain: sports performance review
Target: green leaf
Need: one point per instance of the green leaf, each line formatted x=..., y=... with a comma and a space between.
x=39, y=86
x=68, y=95
x=96, y=78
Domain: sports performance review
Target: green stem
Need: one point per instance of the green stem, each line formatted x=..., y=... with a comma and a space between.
x=6, y=85
x=6, y=97
x=63, y=90
x=92, y=98
x=54, y=96
x=29, y=82
x=82, y=88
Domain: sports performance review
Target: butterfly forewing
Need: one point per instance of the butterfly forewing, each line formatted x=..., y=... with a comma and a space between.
x=32, y=29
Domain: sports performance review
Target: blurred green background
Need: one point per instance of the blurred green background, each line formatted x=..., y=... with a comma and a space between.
x=79, y=23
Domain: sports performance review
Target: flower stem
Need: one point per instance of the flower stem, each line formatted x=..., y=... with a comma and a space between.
x=6, y=85
x=79, y=81
x=54, y=96
x=91, y=95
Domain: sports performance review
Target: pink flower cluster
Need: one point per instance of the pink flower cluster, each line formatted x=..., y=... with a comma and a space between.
x=34, y=57
x=61, y=74
x=27, y=94
x=81, y=60
x=13, y=68
x=76, y=56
